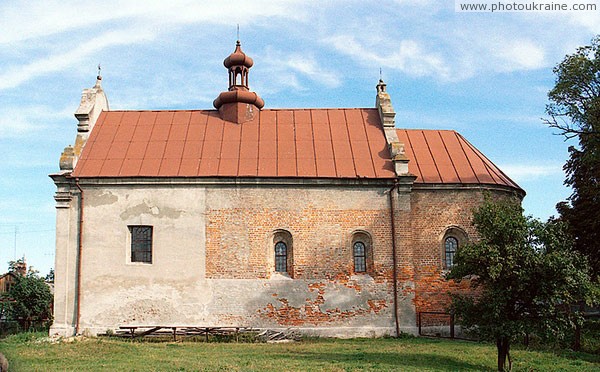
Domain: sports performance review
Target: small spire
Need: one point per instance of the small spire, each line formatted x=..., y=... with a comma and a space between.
x=99, y=76
x=238, y=32
x=381, y=86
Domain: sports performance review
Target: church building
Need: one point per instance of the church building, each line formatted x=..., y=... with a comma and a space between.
x=330, y=221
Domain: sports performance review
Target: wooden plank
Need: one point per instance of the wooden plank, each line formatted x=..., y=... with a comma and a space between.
x=151, y=330
x=134, y=331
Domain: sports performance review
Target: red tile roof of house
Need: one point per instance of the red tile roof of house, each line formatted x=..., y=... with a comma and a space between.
x=309, y=143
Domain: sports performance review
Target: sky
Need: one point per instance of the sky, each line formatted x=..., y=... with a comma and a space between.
x=483, y=74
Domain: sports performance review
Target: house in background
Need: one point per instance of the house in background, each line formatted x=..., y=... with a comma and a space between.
x=9, y=278
x=331, y=221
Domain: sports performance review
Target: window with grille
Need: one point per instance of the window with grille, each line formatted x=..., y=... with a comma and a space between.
x=360, y=257
x=281, y=257
x=141, y=243
x=451, y=245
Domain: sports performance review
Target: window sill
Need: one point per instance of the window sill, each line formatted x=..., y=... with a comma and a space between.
x=280, y=276
x=361, y=276
x=139, y=263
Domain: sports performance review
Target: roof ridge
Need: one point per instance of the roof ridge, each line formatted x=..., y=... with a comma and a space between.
x=467, y=156
x=427, y=130
x=450, y=157
x=368, y=146
x=350, y=143
x=265, y=109
x=335, y=170
x=437, y=169
x=412, y=150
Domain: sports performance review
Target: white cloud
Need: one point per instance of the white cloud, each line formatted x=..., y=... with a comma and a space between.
x=293, y=67
x=414, y=2
x=528, y=172
x=16, y=125
x=18, y=75
x=17, y=122
x=589, y=20
x=29, y=26
x=310, y=68
x=407, y=56
x=521, y=55
x=38, y=19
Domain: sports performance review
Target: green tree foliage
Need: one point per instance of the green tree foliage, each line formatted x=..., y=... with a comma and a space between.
x=525, y=273
x=575, y=112
x=50, y=276
x=29, y=300
x=18, y=266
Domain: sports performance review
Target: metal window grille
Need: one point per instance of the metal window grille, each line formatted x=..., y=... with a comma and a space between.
x=360, y=257
x=141, y=243
x=451, y=245
x=281, y=257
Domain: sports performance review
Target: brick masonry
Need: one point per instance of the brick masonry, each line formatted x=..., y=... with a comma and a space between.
x=322, y=246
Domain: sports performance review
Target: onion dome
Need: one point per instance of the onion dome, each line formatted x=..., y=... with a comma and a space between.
x=241, y=96
x=238, y=64
x=238, y=58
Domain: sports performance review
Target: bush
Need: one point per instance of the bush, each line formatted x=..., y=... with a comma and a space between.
x=29, y=302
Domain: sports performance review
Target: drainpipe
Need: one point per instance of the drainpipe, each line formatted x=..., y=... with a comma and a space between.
x=394, y=260
x=79, y=251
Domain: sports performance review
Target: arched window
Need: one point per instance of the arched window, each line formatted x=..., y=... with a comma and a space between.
x=360, y=257
x=362, y=252
x=281, y=255
x=450, y=247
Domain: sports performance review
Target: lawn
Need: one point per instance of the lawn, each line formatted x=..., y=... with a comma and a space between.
x=32, y=352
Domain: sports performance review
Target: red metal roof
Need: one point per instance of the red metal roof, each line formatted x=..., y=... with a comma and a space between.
x=309, y=143
x=444, y=156
x=321, y=143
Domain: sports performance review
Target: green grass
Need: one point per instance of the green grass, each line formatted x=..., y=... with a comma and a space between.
x=28, y=352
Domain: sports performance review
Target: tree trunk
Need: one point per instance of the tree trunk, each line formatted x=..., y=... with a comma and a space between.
x=577, y=340
x=503, y=346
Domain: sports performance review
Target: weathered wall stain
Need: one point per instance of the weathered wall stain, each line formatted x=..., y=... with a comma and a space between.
x=327, y=303
x=147, y=208
x=98, y=198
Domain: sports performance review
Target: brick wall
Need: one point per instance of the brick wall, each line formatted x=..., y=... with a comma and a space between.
x=325, y=291
x=241, y=224
x=239, y=242
x=433, y=213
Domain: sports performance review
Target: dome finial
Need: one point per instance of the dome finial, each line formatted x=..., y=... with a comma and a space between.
x=99, y=76
x=238, y=95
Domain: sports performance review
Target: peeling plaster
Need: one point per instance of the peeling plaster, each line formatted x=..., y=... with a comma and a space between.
x=327, y=303
x=146, y=208
x=97, y=198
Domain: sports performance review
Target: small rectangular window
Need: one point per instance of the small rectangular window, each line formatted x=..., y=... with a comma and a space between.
x=141, y=243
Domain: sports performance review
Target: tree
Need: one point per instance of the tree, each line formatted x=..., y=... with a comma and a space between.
x=18, y=267
x=50, y=276
x=30, y=299
x=575, y=112
x=524, y=272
